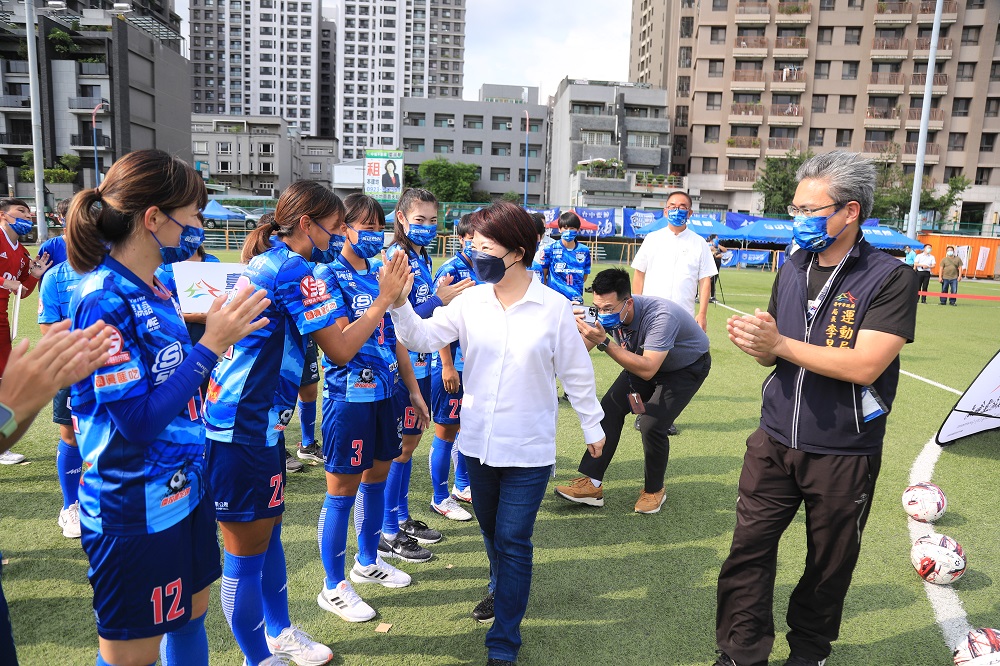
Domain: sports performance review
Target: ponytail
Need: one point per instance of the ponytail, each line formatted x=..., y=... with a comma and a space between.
x=258, y=241
x=304, y=197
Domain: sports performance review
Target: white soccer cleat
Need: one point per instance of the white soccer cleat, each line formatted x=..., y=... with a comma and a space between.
x=69, y=521
x=462, y=495
x=10, y=458
x=382, y=573
x=345, y=602
x=450, y=509
x=297, y=646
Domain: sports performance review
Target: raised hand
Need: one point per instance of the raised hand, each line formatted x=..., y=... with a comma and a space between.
x=447, y=291
x=225, y=326
x=392, y=277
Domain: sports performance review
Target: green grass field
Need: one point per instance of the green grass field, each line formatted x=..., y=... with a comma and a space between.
x=610, y=586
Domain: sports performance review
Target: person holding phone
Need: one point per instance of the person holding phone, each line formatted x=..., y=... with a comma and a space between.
x=665, y=359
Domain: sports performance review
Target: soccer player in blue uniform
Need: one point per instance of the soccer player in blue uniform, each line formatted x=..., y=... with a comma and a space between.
x=250, y=401
x=567, y=263
x=538, y=262
x=446, y=395
x=415, y=228
x=55, y=247
x=54, y=296
x=143, y=499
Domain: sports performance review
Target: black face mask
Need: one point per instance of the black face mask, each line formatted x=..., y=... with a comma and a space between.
x=489, y=268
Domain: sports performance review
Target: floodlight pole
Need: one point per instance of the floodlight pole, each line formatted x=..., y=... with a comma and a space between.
x=35, y=90
x=527, y=127
x=925, y=113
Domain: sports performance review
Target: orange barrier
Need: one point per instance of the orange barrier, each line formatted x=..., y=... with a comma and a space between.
x=971, y=297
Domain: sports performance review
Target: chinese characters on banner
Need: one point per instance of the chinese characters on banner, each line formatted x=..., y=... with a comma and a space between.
x=384, y=174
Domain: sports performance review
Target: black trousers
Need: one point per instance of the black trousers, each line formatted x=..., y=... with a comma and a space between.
x=715, y=278
x=665, y=400
x=837, y=491
x=925, y=280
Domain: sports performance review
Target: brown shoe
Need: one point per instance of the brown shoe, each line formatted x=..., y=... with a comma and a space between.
x=650, y=502
x=582, y=491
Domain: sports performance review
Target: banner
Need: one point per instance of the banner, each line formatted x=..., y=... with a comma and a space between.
x=200, y=283
x=984, y=254
x=978, y=410
x=710, y=216
x=964, y=253
x=384, y=174
x=551, y=214
x=733, y=258
x=740, y=220
x=602, y=218
x=633, y=221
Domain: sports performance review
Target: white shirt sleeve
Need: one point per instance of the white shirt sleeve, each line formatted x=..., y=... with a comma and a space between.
x=641, y=261
x=427, y=335
x=707, y=267
x=574, y=369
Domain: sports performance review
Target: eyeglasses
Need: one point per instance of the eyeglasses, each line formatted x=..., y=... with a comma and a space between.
x=678, y=207
x=611, y=309
x=794, y=210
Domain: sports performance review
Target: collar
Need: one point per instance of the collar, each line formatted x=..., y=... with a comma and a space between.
x=636, y=312
x=534, y=294
x=113, y=264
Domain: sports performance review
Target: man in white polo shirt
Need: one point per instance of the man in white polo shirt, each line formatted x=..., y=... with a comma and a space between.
x=676, y=263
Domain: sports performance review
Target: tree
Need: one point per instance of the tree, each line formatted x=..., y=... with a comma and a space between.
x=449, y=181
x=411, y=176
x=512, y=197
x=894, y=190
x=777, y=181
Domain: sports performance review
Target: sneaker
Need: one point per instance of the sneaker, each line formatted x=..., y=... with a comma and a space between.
x=650, y=502
x=10, y=458
x=345, y=602
x=582, y=491
x=450, y=509
x=299, y=647
x=291, y=464
x=672, y=430
x=483, y=612
x=796, y=660
x=384, y=574
x=273, y=660
x=723, y=659
x=637, y=426
x=403, y=547
x=462, y=495
x=69, y=521
x=419, y=530
x=312, y=452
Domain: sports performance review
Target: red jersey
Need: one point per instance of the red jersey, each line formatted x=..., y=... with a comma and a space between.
x=15, y=260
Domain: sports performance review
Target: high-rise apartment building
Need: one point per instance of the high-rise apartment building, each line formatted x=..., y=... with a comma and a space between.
x=391, y=49
x=750, y=79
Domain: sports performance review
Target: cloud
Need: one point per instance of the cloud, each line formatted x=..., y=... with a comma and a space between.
x=540, y=42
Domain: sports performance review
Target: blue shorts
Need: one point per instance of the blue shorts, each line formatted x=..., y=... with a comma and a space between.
x=310, y=368
x=445, y=407
x=143, y=584
x=61, y=413
x=248, y=482
x=406, y=411
x=357, y=433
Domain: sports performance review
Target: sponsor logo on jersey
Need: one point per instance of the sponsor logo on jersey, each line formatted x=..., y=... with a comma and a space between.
x=170, y=499
x=366, y=379
x=120, y=378
x=361, y=302
x=117, y=354
x=152, y=324
x=214, y=389
x=313, y=290
x=167, y=360
x=141, y=307
x=222, y=506
x=423, y=293
x=283, y=418
x=421, y=360
x=321, y=311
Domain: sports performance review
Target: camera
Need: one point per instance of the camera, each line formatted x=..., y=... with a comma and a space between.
x=590, y=316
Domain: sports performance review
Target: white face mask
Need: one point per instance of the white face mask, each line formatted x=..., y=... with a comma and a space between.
x=927, y=250
x=950, y=253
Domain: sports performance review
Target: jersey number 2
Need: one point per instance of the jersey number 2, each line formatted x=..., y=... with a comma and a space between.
x=456, y=404
x=278, y=496
x=175, y=612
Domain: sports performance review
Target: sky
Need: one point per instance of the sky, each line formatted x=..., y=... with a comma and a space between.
x=540, y=42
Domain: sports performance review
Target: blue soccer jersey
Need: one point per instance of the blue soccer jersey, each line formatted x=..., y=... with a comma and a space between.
x=459, y=268
x=373, y=373
x=423, y=290
x=568, y=269
x=56, y=248
x=58, y=286
x=252, y=393
x=131, y=488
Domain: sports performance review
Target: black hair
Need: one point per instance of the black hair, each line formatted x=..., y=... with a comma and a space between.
x=539, y=223
x=569, y=220
x=9, y=202
x=463, y=227
x=683, y=194
x=387, y=163
x=409, y=197
x=613, y=280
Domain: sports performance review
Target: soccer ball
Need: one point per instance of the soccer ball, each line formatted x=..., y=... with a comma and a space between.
x=924, y=502
x=938, y=559
x=981, y=647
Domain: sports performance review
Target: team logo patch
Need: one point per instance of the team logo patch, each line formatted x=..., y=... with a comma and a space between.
x=117, y=354
x=283, y=418
x=846, y=297
x=177, y=488
x=313, y=290
x=366, y=379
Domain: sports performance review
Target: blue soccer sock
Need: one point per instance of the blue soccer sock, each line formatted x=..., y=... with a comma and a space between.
x=243, y=603
x=368, y=515
x=274, y=586
x=404, y=492
x=333, y=519
x=390, y=519
x=440, y=465
x=461, y=471
x=307, y=420
x=69, y=465
x=188, y=646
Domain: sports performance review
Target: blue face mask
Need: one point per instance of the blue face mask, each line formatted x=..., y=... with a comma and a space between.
x=330, y=254
x=190, y=240
x=677, y=217
x=489, y=269
x=20, y=225
x=369, y=244
x=467, y=247
x=569, y=235
x=810, y=232
x=422, y=234
x=613, y=320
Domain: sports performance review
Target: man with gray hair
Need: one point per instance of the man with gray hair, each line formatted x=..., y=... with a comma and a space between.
x=839, y=314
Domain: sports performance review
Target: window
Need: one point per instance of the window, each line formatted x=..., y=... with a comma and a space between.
x=960, y=107
x=819, y=104
x=995, y=72
x=975, y=4
x=952, y=172
x=852, y=36
x=720, y=5
x=822, y=69
x=816, y=137
x=983, y=175
x=966, y=70
x=827, y=5
x=970, y=35
x=987, y=142
x=687, y=26
x=225, y=167
x=856, y=4
x=267, y=167
x=718, y=36
x=847, y=103
x=684, y=57
x=824, y=36
x=993, y=107
x=844, y=137
x=850, y=70
x=224, y=148
x=716, y=68
x=592, y=138
x=643, y=140
x=499, y=175
x=713, y=101
x=956, y=141
x=681, y=117
x=711, y=133
x=710, y=165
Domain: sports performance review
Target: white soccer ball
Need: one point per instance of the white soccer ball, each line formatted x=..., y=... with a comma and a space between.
x=924, y=502
x=938, y=559
x=981, y=647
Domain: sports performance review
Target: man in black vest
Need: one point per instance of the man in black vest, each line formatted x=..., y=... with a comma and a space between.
x=840, y=312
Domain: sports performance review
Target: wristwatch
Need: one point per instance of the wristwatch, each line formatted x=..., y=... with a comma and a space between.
x=8, y=424
x=603, y=345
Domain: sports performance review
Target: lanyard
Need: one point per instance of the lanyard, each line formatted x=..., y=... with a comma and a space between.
x=821, y=296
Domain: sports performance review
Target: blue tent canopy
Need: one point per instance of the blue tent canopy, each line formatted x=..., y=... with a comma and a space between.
x=768, y=231
x=216, y=211
x=886, y=238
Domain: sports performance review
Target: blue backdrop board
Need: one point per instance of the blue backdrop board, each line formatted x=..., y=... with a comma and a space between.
x=734, y=258
x=602, y=218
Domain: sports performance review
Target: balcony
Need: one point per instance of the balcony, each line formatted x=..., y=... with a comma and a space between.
x=785, y=115
x=793, y=13
x=779, y=147
x=931, y=156
x=746, y=114
x=891, y=83
x=881, y=151
x=15, y=140
x=890, y=49
x=741, y=179
x=743, y=146
x=939, y=84
x=949, y=13
x=879, y=117
x=92, y=68
x=935, y=122
x=788, y=80
x=84, y=104
x=791, y=47
x=747, y=80
x=753, y=13
x=21, y=102
x=16, y=66
x=922, y=48
x=750, y=47
x=893, y=13
x=87, y=141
